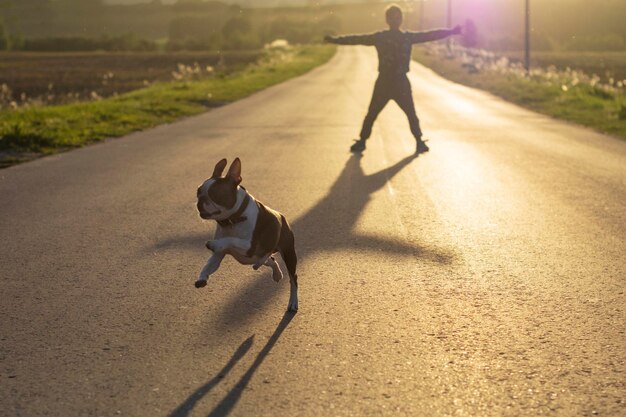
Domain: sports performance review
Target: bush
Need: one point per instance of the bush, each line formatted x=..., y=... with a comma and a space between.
x=184, y=29
x=198, y=33
x=16, y=42
x=236, y=26
x=240, y=41
x=194, y=44
x=4, y=39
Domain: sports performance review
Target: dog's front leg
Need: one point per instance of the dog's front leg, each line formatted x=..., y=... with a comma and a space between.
x=277, y=274
x=262, y=261
x=211, y=266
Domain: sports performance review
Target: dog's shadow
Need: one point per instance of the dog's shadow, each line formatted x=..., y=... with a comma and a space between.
x=225, y=406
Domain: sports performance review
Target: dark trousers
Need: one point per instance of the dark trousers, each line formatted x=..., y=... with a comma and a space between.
x=394, y=87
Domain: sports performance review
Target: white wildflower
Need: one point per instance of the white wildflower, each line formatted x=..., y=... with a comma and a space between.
x=278, y=44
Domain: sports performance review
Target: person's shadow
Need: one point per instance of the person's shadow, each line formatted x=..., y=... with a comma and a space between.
x=326, y=227
x=329, y=225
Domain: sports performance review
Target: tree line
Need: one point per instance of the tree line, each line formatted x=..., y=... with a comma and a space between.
x=196, y=24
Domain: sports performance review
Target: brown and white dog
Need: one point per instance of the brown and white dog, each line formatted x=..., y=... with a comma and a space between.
x=246, y=229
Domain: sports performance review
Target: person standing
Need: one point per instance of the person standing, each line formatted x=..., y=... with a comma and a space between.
x=394, y=56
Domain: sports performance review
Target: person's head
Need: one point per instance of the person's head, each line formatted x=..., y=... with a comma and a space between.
x=393, y=14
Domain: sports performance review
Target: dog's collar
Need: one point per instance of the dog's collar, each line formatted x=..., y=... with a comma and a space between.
x=236, y=217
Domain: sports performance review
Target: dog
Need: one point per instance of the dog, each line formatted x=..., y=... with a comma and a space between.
x=247, y=230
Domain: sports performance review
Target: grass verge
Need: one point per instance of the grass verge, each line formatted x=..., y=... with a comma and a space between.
x=35, y=131
x=583, y=104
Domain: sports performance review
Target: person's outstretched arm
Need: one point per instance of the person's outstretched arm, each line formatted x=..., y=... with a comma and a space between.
x=434, y=35
x=367, y=39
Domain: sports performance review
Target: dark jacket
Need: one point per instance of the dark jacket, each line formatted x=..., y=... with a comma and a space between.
x=393, y=46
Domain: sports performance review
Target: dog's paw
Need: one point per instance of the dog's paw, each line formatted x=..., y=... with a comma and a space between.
x=277, y=275
x=200, y=283
x=210, y=245
x=293, y=306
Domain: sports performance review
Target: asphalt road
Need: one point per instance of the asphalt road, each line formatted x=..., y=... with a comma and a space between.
x=485, y=277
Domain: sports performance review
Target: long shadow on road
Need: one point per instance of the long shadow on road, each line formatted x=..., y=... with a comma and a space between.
x=187, y=406
x=224, y=407
x=329, y=225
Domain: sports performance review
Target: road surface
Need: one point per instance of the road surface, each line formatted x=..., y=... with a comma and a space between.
x=485, y=277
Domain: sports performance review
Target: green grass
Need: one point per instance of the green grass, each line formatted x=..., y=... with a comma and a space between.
x=583, y=104
x=49, y=129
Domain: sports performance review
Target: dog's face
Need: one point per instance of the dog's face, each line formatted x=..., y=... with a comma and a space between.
x=218, y=194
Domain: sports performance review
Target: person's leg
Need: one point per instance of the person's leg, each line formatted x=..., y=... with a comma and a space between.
x=380, y=97
x=404, y=97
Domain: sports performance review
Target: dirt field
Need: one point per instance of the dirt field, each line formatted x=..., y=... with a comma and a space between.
x=63, y=77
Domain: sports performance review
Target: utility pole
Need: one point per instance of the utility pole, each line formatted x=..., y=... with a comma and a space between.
x=449, y=41
x=527, y=38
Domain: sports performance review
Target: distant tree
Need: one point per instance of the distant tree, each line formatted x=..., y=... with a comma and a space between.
x=293, y=30
x=81, y=2
x=4, y=38
x=195, y=33
x=25, y=3
x=330, y=24
x=16, y=42
x=199, y=6
x=21, y=15
x=236, y=26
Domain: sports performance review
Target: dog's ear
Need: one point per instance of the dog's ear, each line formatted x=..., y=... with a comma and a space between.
x=234, y=172
x=219, y=168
